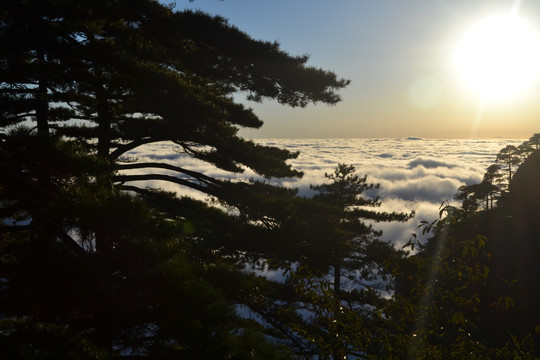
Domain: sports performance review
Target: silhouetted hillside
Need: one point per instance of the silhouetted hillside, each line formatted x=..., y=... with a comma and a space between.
x=512, y=229
x=514, y=240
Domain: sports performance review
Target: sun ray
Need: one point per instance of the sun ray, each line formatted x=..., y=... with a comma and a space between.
x=479, y=116
x=514, y=10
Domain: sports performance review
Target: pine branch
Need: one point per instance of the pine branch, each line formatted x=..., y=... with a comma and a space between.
x=121, y=150
x=210, y=190
x=199, y=176
x=70, y=243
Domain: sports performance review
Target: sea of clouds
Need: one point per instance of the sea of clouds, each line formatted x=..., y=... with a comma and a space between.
x=413, y=173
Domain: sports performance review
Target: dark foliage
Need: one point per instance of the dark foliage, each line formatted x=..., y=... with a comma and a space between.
x=507, y=297
x=89, y=257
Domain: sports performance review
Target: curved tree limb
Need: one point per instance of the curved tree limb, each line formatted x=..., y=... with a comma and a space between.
x=121, y=150
x=197, y=175
x=210, y=189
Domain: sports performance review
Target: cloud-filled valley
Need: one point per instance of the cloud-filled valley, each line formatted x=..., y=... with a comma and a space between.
x=414, y=174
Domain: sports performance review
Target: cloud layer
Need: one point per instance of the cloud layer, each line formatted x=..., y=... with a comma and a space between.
x=413, y=173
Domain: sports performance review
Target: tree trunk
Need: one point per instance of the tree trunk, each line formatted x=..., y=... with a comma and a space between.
x=337, y=280
x=104, y=247
x=338, y=352
x=42, y=103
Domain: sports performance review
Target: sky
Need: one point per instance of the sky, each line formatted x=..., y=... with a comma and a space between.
x=399, y=58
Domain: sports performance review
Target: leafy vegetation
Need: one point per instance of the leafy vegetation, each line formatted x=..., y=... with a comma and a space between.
x=97, y=261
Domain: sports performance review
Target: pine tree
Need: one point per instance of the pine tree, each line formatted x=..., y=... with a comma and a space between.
x=126, y=268
x=509, y=159
x=330, y=301
x=357, y=255
x=354, y=241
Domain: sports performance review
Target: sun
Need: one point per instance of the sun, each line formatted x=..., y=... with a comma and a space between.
x=499, y=57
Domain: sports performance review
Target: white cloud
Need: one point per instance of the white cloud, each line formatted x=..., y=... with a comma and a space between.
x=414, y=174
x=431, y=188
x=429, y=163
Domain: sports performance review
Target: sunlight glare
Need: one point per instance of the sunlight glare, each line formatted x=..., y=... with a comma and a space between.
x=499, y=57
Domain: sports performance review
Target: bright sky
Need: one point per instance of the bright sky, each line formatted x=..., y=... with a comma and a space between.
x=400, y=58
